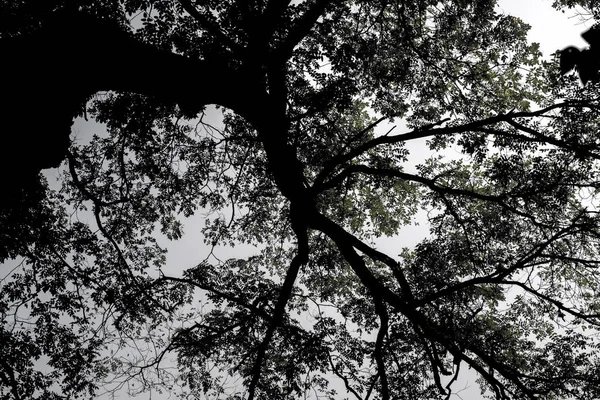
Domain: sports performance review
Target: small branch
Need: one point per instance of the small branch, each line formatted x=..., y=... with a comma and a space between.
x=225, y=296
x=546, y=139
x=497, y=276
x=587, y=317
x=331, y=164
x=433, y=359
x=388, y=172
x=337, y=373
x=430, y=130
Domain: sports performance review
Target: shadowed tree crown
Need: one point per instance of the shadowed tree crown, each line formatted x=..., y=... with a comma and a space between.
x=344, y=124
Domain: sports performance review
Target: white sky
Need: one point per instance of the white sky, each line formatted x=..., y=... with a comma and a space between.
x=552, y=29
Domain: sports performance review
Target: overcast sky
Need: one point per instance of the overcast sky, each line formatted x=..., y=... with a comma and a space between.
x=552, y=29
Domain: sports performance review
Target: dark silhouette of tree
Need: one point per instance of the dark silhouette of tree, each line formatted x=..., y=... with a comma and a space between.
x=303, y=169
x=587, y=61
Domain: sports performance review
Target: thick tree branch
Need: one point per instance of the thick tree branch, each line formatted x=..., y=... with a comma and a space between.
x=345, y=239
x=302, y=27
x=82, y=55
x=381, y=334
x=300, y=229
x=346, y=246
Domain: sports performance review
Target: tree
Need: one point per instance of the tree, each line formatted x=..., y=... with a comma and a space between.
x=505, y=285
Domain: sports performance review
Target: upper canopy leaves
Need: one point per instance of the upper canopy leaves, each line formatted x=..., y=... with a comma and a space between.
x=305, y=169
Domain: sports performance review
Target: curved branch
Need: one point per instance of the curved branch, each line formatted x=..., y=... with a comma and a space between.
x=80, y=54
x=343, y=378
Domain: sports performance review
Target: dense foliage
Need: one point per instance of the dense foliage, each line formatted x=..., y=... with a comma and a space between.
x=306, y=171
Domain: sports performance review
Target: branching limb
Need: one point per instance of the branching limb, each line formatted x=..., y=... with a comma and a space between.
x=593, y=319
x=210, y=26
x=340, y=159
x=430, y=131
x=302, y=27
x=388, y=172
x=98, y=206
x=346, y=242
x=498, y=276
x=430, y=183
x=300, y=229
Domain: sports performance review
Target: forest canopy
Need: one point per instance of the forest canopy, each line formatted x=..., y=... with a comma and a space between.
x=343, y=122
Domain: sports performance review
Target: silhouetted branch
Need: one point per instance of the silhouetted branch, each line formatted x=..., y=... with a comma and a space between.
x=344, y=378
x=593, y=319
x=302, y=27
x=497, y=276
x=381, y=334
x=210, y=26
x=430, y=131
x=299, y=259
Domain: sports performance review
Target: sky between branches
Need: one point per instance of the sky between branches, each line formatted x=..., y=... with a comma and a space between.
x=552, y=29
